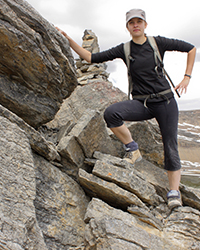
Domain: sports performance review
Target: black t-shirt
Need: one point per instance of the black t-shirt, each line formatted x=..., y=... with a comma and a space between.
x=145, y=78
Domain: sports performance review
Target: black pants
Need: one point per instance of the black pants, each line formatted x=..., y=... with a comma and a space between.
x=166, y=115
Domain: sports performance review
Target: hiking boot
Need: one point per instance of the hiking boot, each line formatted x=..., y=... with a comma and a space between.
x=174, y=199
x=133, y=156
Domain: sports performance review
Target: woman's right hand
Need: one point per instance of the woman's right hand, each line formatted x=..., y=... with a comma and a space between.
x=83, y=53
x=62, y=32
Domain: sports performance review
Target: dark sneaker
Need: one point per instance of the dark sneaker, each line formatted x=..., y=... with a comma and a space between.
x=174, y=199
x=133, y=156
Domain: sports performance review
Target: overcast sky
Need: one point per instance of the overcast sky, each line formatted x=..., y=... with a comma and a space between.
x=106, y=18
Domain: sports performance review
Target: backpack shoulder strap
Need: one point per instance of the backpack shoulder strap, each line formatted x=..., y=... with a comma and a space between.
x=158, y=59
x=127, y=51
x=154, y=46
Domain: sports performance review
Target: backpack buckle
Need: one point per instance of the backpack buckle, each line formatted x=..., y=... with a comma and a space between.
x=153, y=95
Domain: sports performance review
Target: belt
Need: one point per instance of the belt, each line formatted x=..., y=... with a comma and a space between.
x=154, y=95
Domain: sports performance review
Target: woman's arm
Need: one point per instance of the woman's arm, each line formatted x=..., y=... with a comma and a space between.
x=182, y=86
x=83, y=53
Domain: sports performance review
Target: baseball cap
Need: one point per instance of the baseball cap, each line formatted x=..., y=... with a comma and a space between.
x=135, y=13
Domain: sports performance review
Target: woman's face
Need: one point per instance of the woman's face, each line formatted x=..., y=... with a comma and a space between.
x=136, y=27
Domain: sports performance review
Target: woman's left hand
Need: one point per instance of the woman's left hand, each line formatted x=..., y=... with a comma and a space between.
x=182, y=86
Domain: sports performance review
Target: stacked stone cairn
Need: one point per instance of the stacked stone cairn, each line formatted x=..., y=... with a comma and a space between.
x=87, y=72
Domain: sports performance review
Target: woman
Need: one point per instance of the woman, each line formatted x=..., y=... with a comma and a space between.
x=146, y=81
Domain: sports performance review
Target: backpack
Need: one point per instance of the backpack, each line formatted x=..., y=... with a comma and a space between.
x=158, y=61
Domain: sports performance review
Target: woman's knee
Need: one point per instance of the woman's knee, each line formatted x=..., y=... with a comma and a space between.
x=111, y=117
x=108, y=113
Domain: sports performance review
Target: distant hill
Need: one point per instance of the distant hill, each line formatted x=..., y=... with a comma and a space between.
x=189, y=135
x=189, y=144
x=190, y=116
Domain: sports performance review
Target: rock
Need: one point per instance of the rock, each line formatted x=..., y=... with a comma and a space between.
x=37, y=70
x=149, y=172
x=36, y=140
x=110, y=228
x=94, y=96
x=90, y=41
x=91, y=134
x=190, y=196
x=147, y=217
x=100, y=183
x=18, y=223
x=70, y=149
x=158, y=178
x=155, y=176
x=128, y=179
x=87, y=136
x=147, y=135
x=60, y=207
x=183, y=226
x=87, y=72
x=97, y=95
x=108, y=191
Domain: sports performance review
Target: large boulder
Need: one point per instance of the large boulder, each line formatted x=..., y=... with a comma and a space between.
x=87, y=136
x=60, y=205
x=18, y=223
x=36, y=66
x=37, y=142
x=41, y=207
x=94, y=96
x=110, y=228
